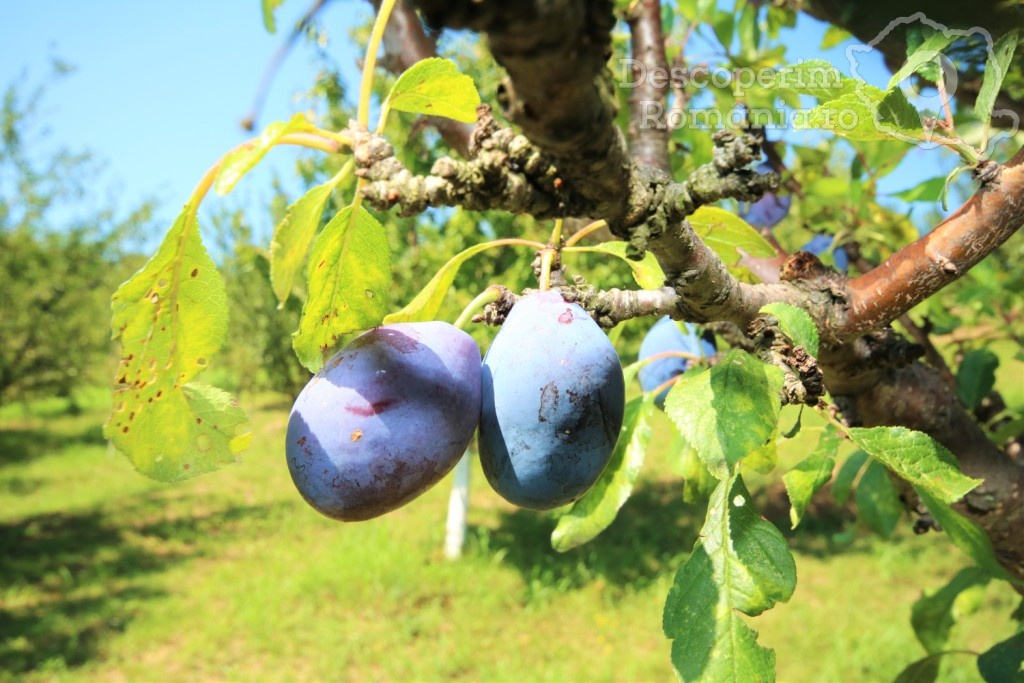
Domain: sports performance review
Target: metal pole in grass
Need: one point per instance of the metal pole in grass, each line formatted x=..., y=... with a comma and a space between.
x=458, y=501
x=458, y=506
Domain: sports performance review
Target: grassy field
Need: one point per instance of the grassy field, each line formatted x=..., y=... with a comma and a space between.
x=106, y=576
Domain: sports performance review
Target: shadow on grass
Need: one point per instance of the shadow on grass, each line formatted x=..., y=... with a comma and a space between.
x=70, y=581
x=652, y=534
x=19, y=445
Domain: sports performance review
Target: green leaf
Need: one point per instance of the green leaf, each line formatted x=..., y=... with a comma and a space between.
x=819, y=79
x=726, y=234
x=811, y=473
x=728, y=411
x=434, y=87
x=921, y=58
x=949, y=181
x=878, y=503
x=698, y=483
x=834, y=36
x=855, y=119
x=896, y=111
x=964, y=534
x=723, y=23
x=932, y=615
x=829, y=189
x=268, y=14
x=795, y=429
x=1003, y=662
x=647, y=272
x=595, y=511
x=427, y=302
x=764, y=459
x=924, y=670
x=740, y=564
x=847, y=474
x=705, y=10
x=171, y=317
x=242, y=160
x=349, y=276
x=976, y=376
x=928, y=191
x=748, y=32
x=795, y=324
x=916, y=457
x=996, y=69
x=294, y=234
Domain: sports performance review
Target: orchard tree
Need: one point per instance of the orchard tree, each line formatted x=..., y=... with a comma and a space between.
x=658, y=136
x=57, y=263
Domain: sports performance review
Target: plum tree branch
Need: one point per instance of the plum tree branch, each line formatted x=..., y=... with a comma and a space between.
x=558, y=90
x=573, y=161
x=911, y=275
x=648, y=144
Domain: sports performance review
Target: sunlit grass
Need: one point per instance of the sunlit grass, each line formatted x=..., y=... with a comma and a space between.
x=107, y=576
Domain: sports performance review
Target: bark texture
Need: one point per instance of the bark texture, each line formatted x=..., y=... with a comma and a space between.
x=559, y=93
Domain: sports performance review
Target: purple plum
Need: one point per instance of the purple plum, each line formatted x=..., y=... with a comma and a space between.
x=386, y=418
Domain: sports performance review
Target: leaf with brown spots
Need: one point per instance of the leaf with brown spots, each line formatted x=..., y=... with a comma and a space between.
x=171, y=317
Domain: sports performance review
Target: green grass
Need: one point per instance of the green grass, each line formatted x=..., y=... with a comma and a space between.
x=106, y=576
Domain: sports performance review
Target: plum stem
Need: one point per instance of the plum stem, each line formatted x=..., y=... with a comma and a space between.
x=370, y=63
x=548, y=257
x=696, y=358
x=580, y=234
x=325, y=141
x=488, y=296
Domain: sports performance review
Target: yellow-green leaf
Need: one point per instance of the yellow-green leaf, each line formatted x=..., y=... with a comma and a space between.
x=269, y=21
x=964, y=534
x=916, y=457
x=349, y=276
x=727, y=412
x=726, y=234
x=428, y=301
x=811, y=473
x=796, y=325
x=171, y=318
x=647, y=272
x=294, y=234
x=434, y=87
x=243, y=160
x=591, y=514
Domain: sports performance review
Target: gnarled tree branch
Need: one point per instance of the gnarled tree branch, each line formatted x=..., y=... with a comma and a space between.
x=911, y=275
x=559, y=94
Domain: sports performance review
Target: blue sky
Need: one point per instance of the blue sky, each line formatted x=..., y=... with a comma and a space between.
x=161, y=87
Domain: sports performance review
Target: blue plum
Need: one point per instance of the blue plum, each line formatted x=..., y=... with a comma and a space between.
x=552, y=406
x=770, y=209
x=664, y=336
x=767, y=211
x=386, y=418
x=819, y=244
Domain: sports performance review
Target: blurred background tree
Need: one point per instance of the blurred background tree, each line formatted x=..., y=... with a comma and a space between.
x=62, y=251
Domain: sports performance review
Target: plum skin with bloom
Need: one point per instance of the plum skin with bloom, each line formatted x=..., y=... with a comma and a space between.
x=385, y=419
x=552, y=404
x=664, y=336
